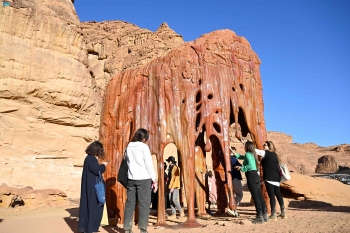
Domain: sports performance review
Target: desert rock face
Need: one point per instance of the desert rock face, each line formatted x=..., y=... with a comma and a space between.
x=53, y=71
x=114, y=46
x=49, y=104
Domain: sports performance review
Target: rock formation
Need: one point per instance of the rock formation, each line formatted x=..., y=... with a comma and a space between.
x=53, y=71
x=302, y=187
x=28, y=197
x=327, y=164
x=189, y=97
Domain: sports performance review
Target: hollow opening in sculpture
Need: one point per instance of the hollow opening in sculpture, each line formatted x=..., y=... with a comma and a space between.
x=243, y=123
x=219, y=173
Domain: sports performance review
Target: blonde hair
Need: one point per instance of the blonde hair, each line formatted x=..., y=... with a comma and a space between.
x=272, y=148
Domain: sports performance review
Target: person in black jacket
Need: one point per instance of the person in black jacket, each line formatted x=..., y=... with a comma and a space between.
x=236, y=179
x=272, y=177
x=90, y=212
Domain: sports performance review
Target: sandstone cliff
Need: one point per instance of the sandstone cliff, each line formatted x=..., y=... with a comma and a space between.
x=53, y=71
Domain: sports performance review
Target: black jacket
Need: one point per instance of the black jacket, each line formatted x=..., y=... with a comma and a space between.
x=270, y=167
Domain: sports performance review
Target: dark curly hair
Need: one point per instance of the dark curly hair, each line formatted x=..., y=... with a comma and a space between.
x=96, y=149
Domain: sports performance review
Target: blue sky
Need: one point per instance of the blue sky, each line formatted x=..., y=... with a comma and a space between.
x=304, y=47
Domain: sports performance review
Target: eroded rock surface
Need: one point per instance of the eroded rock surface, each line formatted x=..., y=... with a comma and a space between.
x=53, y=71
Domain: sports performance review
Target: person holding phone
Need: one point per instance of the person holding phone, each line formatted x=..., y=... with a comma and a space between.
x=90, y=212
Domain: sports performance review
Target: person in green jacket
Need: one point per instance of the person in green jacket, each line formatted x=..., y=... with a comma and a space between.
x=250, y=168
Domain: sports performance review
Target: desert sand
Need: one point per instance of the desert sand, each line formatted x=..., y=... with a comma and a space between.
x=303, y=216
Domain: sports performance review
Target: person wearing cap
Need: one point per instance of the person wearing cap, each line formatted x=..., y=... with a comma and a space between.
x=174, y=187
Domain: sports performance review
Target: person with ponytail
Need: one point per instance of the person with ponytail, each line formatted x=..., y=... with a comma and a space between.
x=250, y=168
x=272, y=177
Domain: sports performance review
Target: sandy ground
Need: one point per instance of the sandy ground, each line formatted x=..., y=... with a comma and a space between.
x=303, y=216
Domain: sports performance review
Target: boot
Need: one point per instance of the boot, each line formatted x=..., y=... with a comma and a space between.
x=283, y=213
x=265, y=217
x=182, y=214
x=258, y=220
x=273, y=215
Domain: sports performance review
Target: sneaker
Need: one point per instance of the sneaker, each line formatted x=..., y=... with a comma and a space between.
x=265, y=218
x=182, y=214
x=171, y=217
x=128, y=231
x=258, y=220
x=232, y=212
x=143, y=231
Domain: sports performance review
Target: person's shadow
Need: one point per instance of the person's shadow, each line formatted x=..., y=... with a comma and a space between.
x=72, y=222
x=73, y=219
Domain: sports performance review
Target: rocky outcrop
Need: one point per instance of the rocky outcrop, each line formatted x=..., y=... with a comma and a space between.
x=327, y=164
x=53, y=71
x=114, y=46
x=302, y=187
x=28, y=197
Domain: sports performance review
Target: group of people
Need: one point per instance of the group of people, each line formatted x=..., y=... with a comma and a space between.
x=271, y=175
x=142, y=182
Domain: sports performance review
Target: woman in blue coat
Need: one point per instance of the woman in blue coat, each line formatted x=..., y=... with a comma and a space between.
x=90, y=212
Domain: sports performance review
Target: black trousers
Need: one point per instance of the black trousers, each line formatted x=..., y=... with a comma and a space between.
x=253, y=182
x=274, y=191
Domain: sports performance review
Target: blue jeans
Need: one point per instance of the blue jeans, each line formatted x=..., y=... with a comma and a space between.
x=174, y=201
x=140, y=190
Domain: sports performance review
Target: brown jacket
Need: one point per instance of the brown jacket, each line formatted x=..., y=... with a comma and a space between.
x=175, y=178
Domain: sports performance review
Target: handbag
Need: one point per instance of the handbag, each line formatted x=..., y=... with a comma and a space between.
x=284, y=172
x=100, y=190
x=123, y=171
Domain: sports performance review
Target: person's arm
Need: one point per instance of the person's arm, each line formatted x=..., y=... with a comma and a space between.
x=94, y=167
x=147, y=157
x=250, y=163
x=260, y=153
x=238, y=156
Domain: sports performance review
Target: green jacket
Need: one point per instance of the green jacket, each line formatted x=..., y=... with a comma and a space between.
x=248, y=162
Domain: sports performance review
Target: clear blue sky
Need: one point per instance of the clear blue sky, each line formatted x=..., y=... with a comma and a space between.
x=303, y=45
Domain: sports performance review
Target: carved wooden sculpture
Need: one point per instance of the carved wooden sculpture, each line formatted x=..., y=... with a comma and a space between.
x=202, y=86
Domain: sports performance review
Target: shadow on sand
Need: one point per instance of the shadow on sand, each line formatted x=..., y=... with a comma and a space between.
x=72, y=222
x=310, y=205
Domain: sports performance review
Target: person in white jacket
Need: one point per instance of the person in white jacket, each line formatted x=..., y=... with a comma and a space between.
x=141, y=177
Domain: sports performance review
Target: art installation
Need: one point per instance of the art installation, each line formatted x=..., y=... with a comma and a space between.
x=189, y=97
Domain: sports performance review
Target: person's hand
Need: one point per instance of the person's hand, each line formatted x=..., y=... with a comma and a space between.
x=105, y=163
x=172, y=190
x=155, y=186
x=237, y=167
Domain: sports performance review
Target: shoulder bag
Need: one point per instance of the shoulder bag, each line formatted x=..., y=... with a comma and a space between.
x=284, y=172
x=123, y=171
x=100, y=190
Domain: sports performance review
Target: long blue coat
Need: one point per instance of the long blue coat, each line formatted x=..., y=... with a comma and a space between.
x=90, y=213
